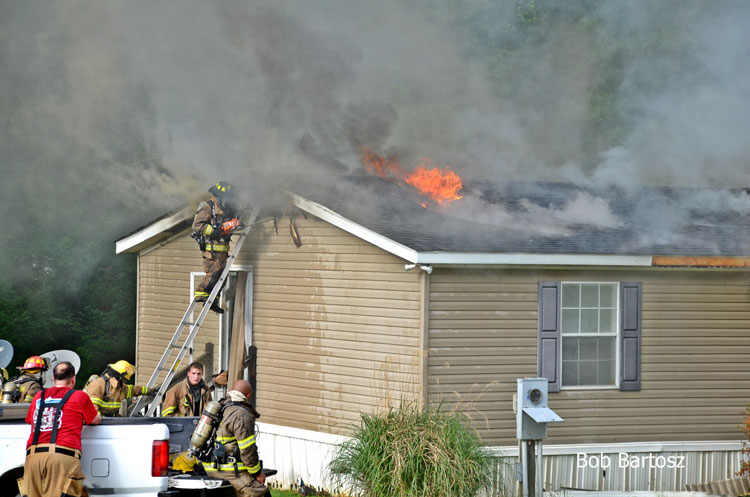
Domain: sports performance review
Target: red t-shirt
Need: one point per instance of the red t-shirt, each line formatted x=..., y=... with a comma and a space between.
x=77, y=410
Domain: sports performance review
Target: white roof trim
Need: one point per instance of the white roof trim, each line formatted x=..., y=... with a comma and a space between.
x=355, y=229
x=152, y=230
x=532, y=259
x=474, y=258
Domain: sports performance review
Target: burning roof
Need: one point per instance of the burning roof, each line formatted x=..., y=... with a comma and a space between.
x=439, y=186
x=512, y=217
x=537, y=217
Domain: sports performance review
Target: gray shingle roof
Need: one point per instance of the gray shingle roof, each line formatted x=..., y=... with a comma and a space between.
x=554, y=218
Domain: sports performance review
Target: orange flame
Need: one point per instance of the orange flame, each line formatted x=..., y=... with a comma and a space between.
x=382, y=166
x=441, y=186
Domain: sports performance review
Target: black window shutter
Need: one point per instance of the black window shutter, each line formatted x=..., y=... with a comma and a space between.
x=548, y=340
x=630, y=336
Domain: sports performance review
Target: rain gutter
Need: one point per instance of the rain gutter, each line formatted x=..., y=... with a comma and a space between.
x=524, y=259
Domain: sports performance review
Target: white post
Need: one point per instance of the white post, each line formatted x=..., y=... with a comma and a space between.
x=539, y=469
x=525, y=470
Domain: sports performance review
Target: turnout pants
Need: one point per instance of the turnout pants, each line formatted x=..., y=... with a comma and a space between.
x=245, y=485
x=50, y=474
x=213, y=265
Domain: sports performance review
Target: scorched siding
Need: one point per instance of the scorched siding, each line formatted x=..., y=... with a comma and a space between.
x=695, y=344
x=336, y=323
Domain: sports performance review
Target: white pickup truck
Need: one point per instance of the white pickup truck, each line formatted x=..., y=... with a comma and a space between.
x=121, y=457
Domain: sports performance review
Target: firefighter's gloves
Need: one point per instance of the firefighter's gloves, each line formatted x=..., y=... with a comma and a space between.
x=229, y=226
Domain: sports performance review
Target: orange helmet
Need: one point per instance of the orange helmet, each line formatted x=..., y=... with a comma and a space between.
x=34, y=362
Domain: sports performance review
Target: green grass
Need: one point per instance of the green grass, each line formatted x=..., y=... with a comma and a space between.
x=284, y=493
x=410, y=452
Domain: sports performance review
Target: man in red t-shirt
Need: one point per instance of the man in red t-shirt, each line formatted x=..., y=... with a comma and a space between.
x=53, y=452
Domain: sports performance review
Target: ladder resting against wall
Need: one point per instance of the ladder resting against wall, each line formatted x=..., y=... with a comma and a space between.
x=184, y=343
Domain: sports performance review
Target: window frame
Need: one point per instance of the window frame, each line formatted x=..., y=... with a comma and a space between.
x=617, y=335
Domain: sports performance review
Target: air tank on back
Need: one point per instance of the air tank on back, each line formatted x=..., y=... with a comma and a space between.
x=208, y=421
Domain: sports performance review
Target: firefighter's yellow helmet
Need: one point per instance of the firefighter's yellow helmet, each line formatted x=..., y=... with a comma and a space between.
x=124, y=368
x=34, y=364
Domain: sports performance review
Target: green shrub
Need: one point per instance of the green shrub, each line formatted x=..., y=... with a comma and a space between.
x=413, y=452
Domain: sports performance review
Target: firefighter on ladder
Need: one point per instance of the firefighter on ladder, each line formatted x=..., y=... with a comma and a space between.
x=213, y=225
x=109, y=390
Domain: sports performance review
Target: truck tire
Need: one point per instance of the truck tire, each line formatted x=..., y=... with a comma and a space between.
x=8, y=483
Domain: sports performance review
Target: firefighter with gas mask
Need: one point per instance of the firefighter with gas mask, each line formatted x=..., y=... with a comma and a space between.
x=108, y=390
x=28, y=383
x=213, y=225
x=235, y=456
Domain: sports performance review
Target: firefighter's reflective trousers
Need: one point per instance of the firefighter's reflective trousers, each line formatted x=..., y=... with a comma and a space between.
x=51, y=470
x=213, y=265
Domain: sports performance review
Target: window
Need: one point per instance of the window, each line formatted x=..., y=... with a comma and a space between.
x=589, y=327
x=589, y=334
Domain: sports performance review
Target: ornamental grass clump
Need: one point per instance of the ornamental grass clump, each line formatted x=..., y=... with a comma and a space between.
x=413, y=452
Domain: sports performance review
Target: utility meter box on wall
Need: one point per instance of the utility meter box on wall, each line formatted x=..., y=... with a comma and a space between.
x=532, y=413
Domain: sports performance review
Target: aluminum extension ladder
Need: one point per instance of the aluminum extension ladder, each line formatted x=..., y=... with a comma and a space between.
x=175, y=342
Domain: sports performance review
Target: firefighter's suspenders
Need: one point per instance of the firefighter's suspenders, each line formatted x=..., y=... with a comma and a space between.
x=40, y=415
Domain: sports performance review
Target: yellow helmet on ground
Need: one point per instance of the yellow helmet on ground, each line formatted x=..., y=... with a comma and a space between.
x=124, y=368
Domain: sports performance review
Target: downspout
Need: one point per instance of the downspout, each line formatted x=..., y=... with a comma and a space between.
x=424, y=330
x=137, y=309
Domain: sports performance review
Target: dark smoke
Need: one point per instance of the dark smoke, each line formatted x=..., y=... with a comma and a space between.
x=115, y=112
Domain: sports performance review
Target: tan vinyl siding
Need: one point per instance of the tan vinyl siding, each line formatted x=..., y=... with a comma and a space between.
x=695, y=345
x=163, y=298
x=336, y=323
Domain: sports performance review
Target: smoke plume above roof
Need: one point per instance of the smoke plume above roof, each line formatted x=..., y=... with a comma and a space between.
x=120, y=110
